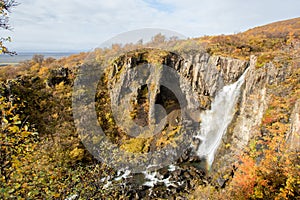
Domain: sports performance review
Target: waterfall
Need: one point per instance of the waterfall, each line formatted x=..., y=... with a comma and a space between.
x=214, y=122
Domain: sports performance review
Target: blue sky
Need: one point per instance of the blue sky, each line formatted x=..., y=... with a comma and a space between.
x=160, y=6
x=75, y=25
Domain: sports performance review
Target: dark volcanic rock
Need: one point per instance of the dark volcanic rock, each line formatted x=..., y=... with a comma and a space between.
x=58, y=75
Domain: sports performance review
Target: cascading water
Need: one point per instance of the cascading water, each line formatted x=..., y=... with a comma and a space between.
x=214, y=122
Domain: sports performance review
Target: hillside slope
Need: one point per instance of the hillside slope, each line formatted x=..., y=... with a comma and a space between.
x=43, y=157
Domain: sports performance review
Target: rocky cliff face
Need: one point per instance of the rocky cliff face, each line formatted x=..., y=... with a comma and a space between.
x=261, y=87
x=202, y=75
x=205, y=76
x=293, y=137
x=208, y=74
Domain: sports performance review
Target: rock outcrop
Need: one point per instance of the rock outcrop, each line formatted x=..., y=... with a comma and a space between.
x=293, y=137
x=204, y=76
x=59, y=75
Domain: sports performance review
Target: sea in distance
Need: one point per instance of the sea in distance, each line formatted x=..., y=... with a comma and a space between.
x=23, y=56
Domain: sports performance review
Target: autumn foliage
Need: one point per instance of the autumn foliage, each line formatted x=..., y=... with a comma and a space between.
x=41, y=156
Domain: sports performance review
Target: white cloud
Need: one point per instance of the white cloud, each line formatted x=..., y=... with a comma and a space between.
x=81, y=25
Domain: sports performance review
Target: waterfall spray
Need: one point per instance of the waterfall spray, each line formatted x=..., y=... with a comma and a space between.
x=214, y=122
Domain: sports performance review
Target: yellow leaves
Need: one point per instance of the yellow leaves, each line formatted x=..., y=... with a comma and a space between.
x=280, y=127
x=60, y=86
x=17, y=186
x=26, y=128
x=109, y=119
x=56, y=195
x=14, y=129
x=3, y=49
x=275, y=158
x=77, y=154
x=15, y=119
x=174, y=132
x=43, y=71
x=43, y=103
x=4, y=120
x=68, y=94
x=258, y=193
x=17, y=122
x=25, y=185
x=17, y=149
x=55, y=116
x=25, y=134
x=134, y=145
x=15, y=162
x=35, y=67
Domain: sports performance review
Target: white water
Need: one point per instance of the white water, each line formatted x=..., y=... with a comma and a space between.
x=214, y=122
x=153, y=179
x=121, y=176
